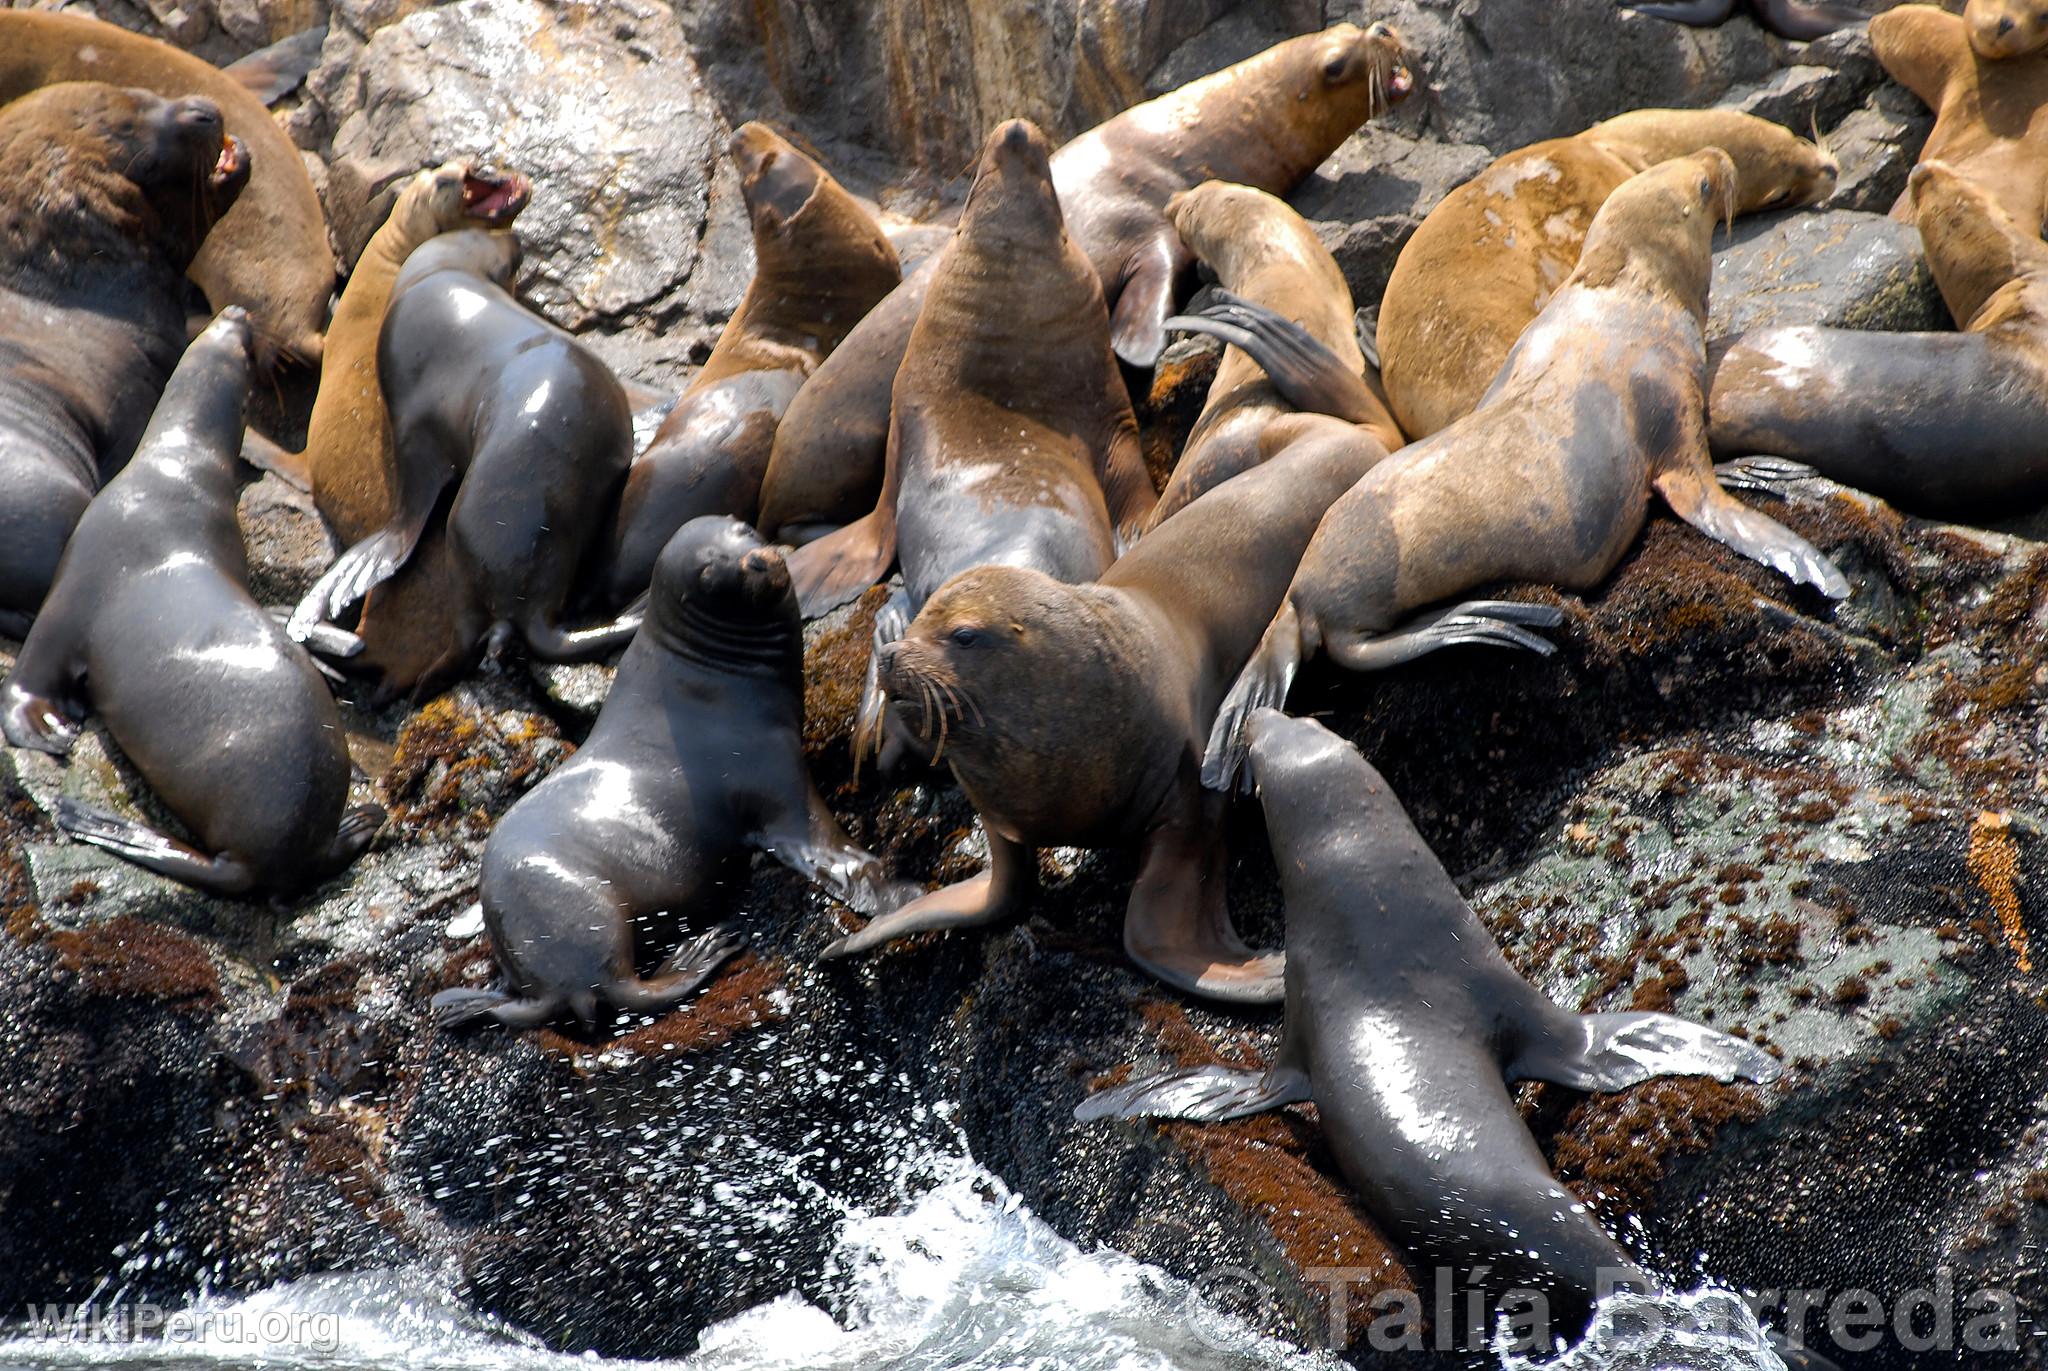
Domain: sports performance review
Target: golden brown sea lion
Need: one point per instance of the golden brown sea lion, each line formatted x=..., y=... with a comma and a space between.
x=1601, y=401
x=270, y=252
x=1480, y=267
x=2000, y=30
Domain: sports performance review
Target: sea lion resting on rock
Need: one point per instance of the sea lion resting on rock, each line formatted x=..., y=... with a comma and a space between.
x=2000, y=30
x=270, y=253
x=820, y=264
x=1405, y=1025
x=1262, y=251
x=1074, y=715
x=1483, y=262
x=1266, y=122
x=696, y=762
x=1990, y=117
x=1547, y=480
x=1794, y=19
x=524, y=428
x=1941, y=423
x=105, y=195
x=151, y=626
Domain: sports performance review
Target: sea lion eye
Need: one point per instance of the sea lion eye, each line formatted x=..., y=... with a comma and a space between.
x=1334, y=69
x=965, y=637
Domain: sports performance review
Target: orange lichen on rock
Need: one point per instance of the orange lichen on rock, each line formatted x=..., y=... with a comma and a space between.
x=835, y=670
x=1995, y=861
x=1612, y=1149
x=130, y=958
x=455, y=763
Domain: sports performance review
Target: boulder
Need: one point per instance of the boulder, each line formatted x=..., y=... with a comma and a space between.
x=1843, y=268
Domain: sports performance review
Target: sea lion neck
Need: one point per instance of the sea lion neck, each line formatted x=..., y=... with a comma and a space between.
x=766, y=647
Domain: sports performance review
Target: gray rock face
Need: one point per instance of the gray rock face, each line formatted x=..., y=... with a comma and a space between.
x=1846, y=268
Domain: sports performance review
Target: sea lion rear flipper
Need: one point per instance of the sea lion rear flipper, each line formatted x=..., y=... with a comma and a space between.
x=1698, y=13
x=463, y=1006
x=1695, y=497
x=36, y=719
x=1476, y=623
x=1177, y=924
x=840, y=565
x=1301, y=366
x=152, y=851
x=266, y=455
x=1614, y=1051
x=1207, y=1094
x=1003, y=890
x=1137, y=326
x=367, y=565
x=681, y=975
x=1262, y=684
x=274, y=72
x=1802, y=22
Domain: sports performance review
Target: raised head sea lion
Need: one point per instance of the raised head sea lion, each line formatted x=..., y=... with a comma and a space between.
x=1797, y=20
x=820, y=264
x=1941, y=423
x=105, y=195
x=695, y=763
x=1601, y=402
x=1266, y=122
x=1480, y=267
x=270, y=253
x=151, y=626
x=1990, y=116
x=1074, y=715
x=519, y=437
x=1405, y=1027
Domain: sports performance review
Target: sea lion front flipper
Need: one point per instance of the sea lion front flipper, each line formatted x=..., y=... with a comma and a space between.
x=1695, y=497
x=826, y=857
x=892, y=621
x=835, y=568
x=1127, y=486
x=265, y=455
x=1262, y=684
x=1177, y=923
x=1137, y=326
x=1702, y=14
x=37, y=720
x=152, y=851
x=274, y=72
x=1206, y=1094
x=1001, y=891
x=1301, y=366
x=1614, y=1051
x=377, y=558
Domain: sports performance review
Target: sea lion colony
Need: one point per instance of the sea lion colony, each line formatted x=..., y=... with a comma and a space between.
x=1094, y=662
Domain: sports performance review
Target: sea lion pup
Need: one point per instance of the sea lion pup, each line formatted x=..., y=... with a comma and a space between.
x=1548, y=480
x=270, y=253
x=514, y=430
x=696, y=762
x=820, y=264
x=1791, y=19
x=152, y=626
x=1266, y=122
x=1405, y=1025
x=1074, y=715
x=1941, y=423
x=105, y=195
x=2000, y=30
x=1990, y=117
x=348, y=462
x=1483, y=262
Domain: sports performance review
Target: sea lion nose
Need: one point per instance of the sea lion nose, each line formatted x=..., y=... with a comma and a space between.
x=2005, y=26
x=199, y=113
x=1016, y=136
x=885, y=661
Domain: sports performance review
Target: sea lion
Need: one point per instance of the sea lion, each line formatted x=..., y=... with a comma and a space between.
x=1074, y=715
x=820, y=264
x=1261, y=250
x=515, y=430
x=348, y=461
x=1266, y=122
x=1483, y=262
x=1601, y=402
x=151, y=626
x=1990, y=116
x=105, y=195
x=1793, y=19
x=696, y=762
x=270, y=252
x=1941, y=423
x=2001, y=30
x=1405, y=1026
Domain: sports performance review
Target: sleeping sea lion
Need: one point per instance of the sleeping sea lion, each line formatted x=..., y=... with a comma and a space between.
x=2001, y=30
x=1601, y=402
x=1483, y=262
x=1797, y=20
x=151, y=626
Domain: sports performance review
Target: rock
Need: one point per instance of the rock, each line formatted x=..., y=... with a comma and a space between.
x=1877, y=145
x=1844, y=268
x=288, y=543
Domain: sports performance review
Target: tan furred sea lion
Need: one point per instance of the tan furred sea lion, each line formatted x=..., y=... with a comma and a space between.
x=1480, y=267
x=1262, y=251
x=820, y=264
x=2001, y=30
x=1266, y=122
x=270, y=253
x=1601, y=401
x=1990, y=117
x=1940, y=423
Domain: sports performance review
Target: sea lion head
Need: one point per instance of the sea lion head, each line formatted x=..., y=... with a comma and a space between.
x=1343, y=76
x=2000, y=30
x=1790, y=171
x=1657, y=230
x=463, y=194
x=1281, y=746
x=717, y=583
x=1012, y=200
x=777, y=180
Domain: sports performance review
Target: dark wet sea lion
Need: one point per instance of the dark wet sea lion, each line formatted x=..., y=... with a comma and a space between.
x=105, y=195
x=1074, y=715
x=1990, y=117
x=1798, y=20
x=1266, y=122
x=821, y=263
x=1485, y=260
x=696, y=763
x=1405, y=1027
x=1262, y=251
x=270, y=253
x=1548, y=480
x=151, y=626
x=513, y=431
x=1940, y=423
